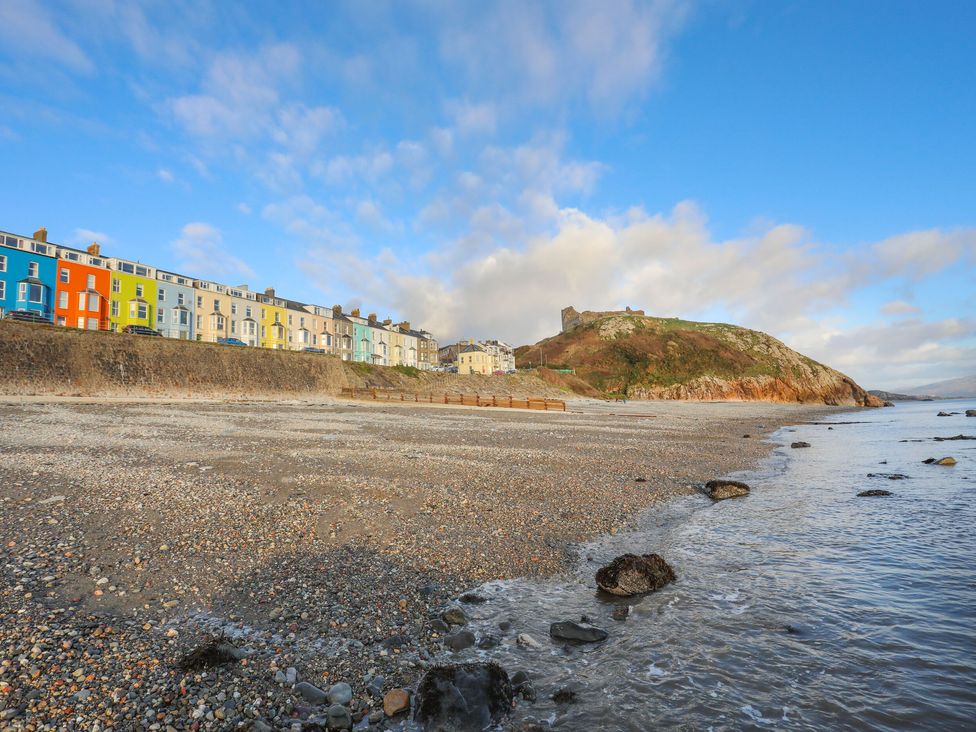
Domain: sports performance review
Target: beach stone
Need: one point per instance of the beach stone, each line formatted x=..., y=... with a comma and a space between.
x=873, y=492
x=943, y=414
x=719, y=490
x=578, y=632
x=889, y=476
x=310, y=693
x=340, y=693
x=338, y=717
x=439, y=626
x=375, y=686
x=971, y=412
x=632, y=574
x=463, y=698
x=460, y=640
x=454, y=616
x=527, y=641
x=946, y=461
x=488, y=641
x=564, y=696
x=472, y=598
x=395, y=702
x=796, y=445
x=620, y=612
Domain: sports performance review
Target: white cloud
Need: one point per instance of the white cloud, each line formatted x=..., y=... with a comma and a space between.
x=84, y=237
x=165, y=175
x=200, y=250
x=900, y=307
x=369, y=167
x=27, y=27
x=473, y=119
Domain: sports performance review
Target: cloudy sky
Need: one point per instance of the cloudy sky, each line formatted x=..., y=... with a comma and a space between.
x=804, y=168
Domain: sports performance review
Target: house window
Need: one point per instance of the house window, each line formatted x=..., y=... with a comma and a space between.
x=142, y=272
x=199, y=302
x=92, y=323
x=142, y=312
x=31, y=293
x=264, y=331
x=289, y=320
x=247, y=311
x=161, y=295
x=64, y=275
x=91, y=282
x=184, y=317
x=63, y=300
x=32, y=269
x=93, y=303
x=3, y=262
x=233, y=308
x=180, y=300
x=233, y=327
x=262, y=314
x=115, y=308
x=61, y=320
x=139, y=290
x=3, y=290
x=220, y=323
x=116, y=284
x=160, y=316
x=81, y=323
x=199, y=322
x=216, y=306
x=301, y=322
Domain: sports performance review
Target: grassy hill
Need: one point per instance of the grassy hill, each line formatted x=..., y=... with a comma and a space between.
x=666, y=358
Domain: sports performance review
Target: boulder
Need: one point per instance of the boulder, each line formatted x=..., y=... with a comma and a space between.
x=719, y=490
x=339, y=717
x=946, y=461
x=872, y=493
x=527, y=641
x=796, y=445
x=632, y=574
x=577, y=632
x=463, y=698
x=340, y=693
x=943, y=414
x=460, y=640
x=971, y=412
x=454, y=616
x=311, y=694
x=395, y=702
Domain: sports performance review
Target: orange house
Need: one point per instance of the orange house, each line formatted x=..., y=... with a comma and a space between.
x=83, y=285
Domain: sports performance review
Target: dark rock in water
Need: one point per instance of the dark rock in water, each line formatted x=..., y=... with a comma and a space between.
x=946, y=461
x=472, y=598
x=488, y=641
x=872, y=493
x=464, y=698
x=212, y=652
x=578, y=632
x=943, y=414
x=971, y=412
x=929, y=461
x=640, y=480
x=460, y=640
x=454, y=616
x=518, y=678
x=505, y=626
x=631, y=574
x=522, y=686
x=564, y=696
x=796, y=445
x=719, y=490
x=620, y=612
x=955, y=437
x=439, y=626
x=889, y=476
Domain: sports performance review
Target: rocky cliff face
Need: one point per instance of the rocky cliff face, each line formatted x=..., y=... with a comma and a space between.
x=666, y=358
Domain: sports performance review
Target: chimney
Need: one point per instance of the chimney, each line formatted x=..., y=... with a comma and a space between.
x=41, y=235
x=336, y=310
x=95, y=249
x=269, y=292
x=405, y=325
x=387, y=322
x=371, y=318
x=354, y=312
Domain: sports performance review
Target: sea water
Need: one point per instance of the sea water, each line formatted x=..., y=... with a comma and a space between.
x=798, y=607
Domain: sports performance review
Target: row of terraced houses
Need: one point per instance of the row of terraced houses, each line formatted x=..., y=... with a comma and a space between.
x=84, y=289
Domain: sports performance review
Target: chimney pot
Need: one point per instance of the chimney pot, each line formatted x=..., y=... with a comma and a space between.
x=95, y=249
x=269, y=292
x=41, y=235
x=354, y=312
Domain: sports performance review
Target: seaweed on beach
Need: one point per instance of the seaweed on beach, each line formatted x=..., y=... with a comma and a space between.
x=214, y=651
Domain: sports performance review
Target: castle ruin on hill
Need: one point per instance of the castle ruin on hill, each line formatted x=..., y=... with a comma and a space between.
x=572, y=318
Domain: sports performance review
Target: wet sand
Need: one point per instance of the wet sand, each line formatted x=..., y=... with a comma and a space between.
x=322, y=537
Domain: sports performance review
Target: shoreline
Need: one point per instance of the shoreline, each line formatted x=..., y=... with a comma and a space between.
x=327, y=536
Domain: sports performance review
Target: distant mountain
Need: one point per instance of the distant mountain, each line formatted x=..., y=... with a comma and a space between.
x=890, y=396
x=965, y=386
x=641, y=357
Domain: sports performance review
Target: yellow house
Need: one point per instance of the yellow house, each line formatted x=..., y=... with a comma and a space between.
x=274, y=320
x=473, y=359
x=132, y=300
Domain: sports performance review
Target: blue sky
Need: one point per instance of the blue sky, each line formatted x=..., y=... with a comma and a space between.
x=804, y=168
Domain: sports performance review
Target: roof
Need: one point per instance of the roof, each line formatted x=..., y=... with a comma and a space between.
x=471, y=347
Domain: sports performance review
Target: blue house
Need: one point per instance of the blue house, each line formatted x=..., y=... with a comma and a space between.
x=28, y=274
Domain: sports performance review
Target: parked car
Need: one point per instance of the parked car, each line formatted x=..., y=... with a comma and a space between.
x=27, y=316
x=452, y=369
x=312, y=349
x=231, y=341
x=140, y=330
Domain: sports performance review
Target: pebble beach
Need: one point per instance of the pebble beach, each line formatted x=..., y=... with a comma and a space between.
x=325, y=549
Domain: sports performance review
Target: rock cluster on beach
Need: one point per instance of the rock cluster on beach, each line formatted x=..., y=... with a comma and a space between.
x=633, y=574
x=214, y=566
